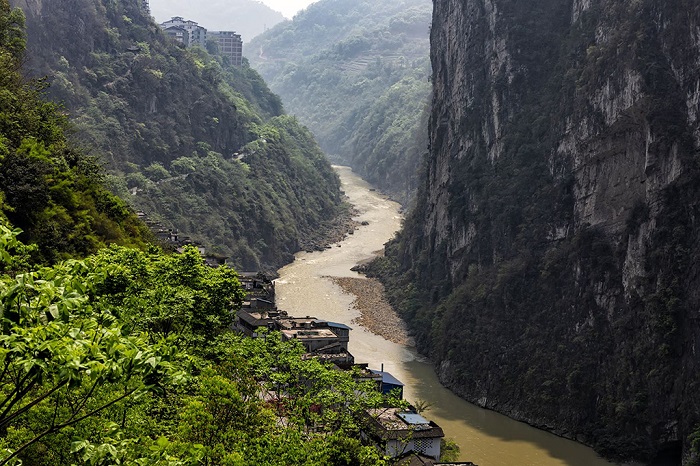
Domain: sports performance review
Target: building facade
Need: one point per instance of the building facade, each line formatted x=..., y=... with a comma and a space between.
x=197, y=34
x=178, y=34
x=397, y=432
x=230, y=45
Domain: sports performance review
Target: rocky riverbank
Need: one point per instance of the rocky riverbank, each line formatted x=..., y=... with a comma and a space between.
x=376, y=314
x=331, y=232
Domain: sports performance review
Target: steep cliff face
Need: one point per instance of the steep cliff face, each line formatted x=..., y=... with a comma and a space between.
x=551, y=266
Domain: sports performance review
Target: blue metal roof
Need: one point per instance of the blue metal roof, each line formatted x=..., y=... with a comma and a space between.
x=388, y=378
x=336, y=324
x=413, y=418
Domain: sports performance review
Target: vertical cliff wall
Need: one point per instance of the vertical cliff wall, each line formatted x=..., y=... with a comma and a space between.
x=551, y=266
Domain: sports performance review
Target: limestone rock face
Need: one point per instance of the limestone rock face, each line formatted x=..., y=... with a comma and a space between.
x=555, y=242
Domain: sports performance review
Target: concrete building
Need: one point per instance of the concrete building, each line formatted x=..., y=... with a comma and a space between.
x=197, y=34
x=397, y=432
x=178, y=34
x=230, y=45
x=250, y=321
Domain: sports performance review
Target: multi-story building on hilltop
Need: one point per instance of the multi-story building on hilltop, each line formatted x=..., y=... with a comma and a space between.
x=178, y=34
x=230, y=45
x=197, y=34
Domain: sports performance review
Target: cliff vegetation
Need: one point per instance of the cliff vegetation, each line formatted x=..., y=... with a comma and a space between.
x=125, y=355
x=550, y=266
x=49, y=189
x=199, y=145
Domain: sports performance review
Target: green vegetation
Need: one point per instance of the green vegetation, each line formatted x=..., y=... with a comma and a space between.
x=116, y=355
x=49, y=189
x=126, y=357
x=449, y=451
x=532, y=298
x=199, y=145
x=357, y=74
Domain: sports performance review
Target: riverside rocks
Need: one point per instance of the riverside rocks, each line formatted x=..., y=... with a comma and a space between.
x=333, y=231
x=376, y=314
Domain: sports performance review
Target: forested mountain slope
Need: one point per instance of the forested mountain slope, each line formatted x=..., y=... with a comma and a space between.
x=50, y=189
x=203, y=147
x=247, y=17
x=550, y=268
x=126, y=356
x=357, y=74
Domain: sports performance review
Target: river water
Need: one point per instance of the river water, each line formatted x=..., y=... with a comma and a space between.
x=485, y=437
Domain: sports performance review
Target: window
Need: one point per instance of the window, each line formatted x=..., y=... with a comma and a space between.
x=422, y=445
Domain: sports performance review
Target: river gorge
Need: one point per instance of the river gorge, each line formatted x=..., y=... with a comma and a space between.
x=306, y=287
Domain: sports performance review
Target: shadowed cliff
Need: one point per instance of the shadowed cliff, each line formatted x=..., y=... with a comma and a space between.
x=550, y=267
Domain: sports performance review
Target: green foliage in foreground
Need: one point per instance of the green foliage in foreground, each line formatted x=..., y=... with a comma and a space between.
x=126, y=358
x=49, y=189
x=449, y=450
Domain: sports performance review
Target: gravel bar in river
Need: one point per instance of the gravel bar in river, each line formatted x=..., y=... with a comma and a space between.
x=376, y=314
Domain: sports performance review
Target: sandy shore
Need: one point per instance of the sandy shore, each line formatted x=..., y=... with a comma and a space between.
x=376, y=314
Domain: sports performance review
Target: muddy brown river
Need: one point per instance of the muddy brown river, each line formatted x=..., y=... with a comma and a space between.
x=485, y=437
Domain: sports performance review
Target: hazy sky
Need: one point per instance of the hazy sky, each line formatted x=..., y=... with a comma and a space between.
x=288, y=7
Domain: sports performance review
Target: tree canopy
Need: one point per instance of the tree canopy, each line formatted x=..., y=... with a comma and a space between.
x=126, y=357
x=50, y=190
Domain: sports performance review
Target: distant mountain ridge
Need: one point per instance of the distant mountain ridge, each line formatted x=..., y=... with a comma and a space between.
x=247, y=17
x=357, y=73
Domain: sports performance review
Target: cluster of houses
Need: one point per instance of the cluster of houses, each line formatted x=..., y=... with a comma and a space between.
x=402, y=434
x=189, y=33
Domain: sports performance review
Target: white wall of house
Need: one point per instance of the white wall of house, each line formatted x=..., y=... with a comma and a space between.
x=427, y=446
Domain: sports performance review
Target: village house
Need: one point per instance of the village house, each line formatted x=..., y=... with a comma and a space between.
x=327, y=341
x=251, y=320
x=385, y=382
x=178, y=34
x=397, y=432
x=388, y=383
x=257, y=286
x=230, y=45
